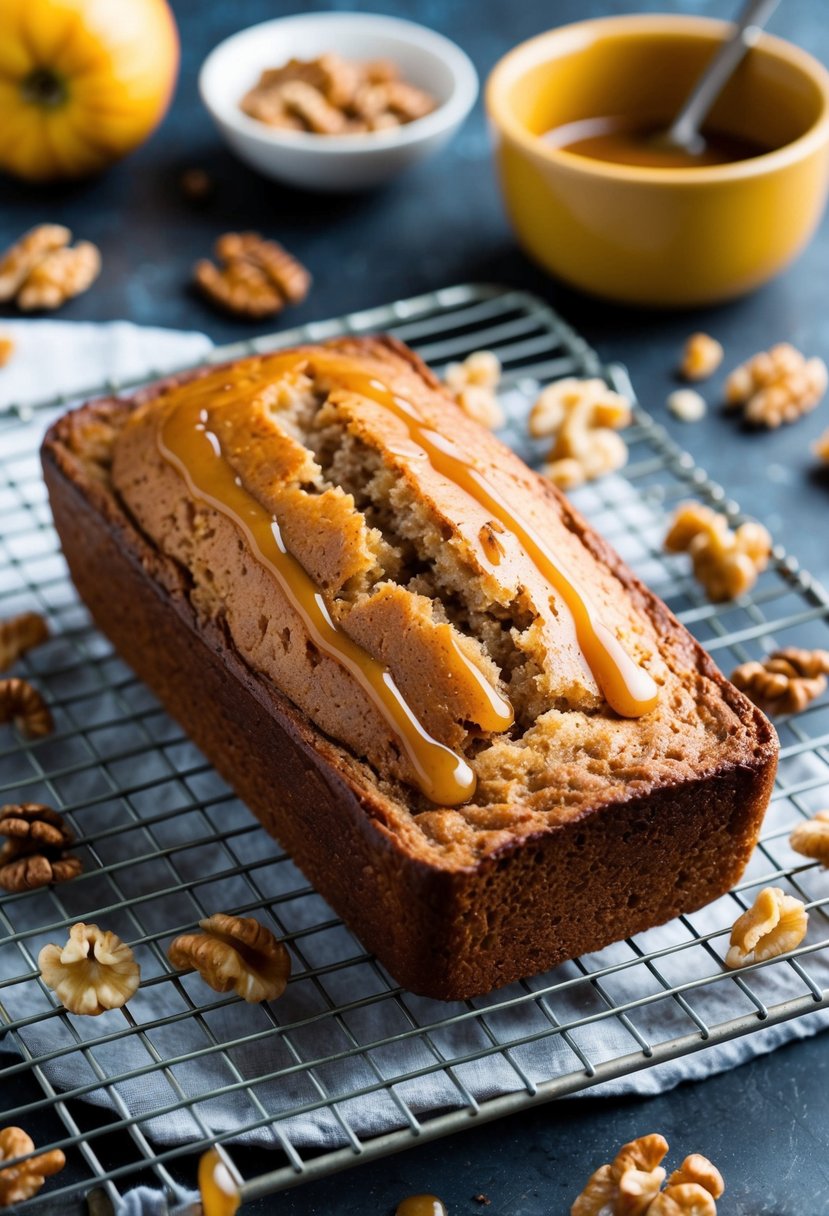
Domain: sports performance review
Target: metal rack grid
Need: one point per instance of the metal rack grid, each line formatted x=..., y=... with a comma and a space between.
x=160, y=836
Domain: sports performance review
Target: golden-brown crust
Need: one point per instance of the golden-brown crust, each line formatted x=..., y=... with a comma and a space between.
x=453, y=902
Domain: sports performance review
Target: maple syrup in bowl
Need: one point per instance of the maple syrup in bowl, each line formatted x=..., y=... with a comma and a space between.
x=573, y=113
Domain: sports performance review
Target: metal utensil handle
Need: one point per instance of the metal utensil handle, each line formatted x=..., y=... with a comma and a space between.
x=705, y=92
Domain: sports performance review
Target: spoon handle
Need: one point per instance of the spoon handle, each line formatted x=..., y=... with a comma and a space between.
x=685, y=127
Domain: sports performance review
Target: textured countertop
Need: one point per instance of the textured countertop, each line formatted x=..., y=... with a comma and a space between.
x=767, y=1123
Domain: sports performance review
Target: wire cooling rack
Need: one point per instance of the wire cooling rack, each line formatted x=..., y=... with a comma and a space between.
x=347, y=1066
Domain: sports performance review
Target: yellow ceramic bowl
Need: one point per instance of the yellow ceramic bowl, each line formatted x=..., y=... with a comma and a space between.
x=667, y=237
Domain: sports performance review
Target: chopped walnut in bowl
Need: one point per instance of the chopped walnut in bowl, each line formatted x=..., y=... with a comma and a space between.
x=331, y=95
x=363, y=98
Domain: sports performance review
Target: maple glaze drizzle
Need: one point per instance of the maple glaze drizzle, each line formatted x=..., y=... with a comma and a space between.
x=188, y=444
x=219, y=1193
x=627, y=688
x=421, y=1205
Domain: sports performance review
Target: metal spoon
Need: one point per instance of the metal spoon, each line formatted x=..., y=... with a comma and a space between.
x=683, y=135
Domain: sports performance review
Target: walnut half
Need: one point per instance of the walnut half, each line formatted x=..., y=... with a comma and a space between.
x=93, y=972
x=631, y=1185
x=20, y=1182
x=775, y=923
x=234, y=954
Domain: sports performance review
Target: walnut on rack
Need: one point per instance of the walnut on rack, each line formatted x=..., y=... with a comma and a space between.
x=34, y=853
x=22, y=704
x=255, y=278
x=20, y=634
x=582, y=416
x=786, y=681
x=21, y=1182
x=811, y=838
x=631, y=1185
x=725, y=562
x=95, y=971
x=777, y=386
x=474, y=385
x=7, y=349
x=234, y=954
x=701, y=357
x=775, y=923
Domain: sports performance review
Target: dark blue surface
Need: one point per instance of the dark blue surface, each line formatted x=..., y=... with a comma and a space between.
x=766, y=1124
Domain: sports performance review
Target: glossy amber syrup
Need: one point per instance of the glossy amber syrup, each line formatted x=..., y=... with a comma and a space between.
x=619, y=141
x=626, y=687
x=188, y=444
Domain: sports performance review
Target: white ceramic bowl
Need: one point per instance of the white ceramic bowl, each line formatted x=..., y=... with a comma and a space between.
x=337, y=162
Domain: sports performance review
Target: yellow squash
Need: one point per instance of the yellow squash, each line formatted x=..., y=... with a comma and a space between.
x=82, y=82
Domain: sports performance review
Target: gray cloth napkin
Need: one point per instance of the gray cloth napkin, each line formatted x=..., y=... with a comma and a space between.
x=310, y=1008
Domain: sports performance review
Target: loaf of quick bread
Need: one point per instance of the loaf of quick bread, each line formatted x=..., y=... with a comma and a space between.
x=486, y=743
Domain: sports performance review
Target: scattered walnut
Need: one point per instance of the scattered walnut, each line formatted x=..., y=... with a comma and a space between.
x=599, y=1195
x=197, y=185
x=256, y=277
x=701, y=357
x=631, y=1184
x=785, y=682
x=335, y=96
x=811, y=838
x=821, y=447
x=774, y=924
x=776, y=386
x=725, y=562
x=17, y=263
x=583, y=415
x=60, y=276
x=687, y=1199
x=93, y=972
x=474, y=385
x=21, y=703
x=6, y=349
x=687, y=405
x=20, y=634
x=20, y=1182
x=234, y=953
x=34, y=823
x=699, y=1170
x=34, y=853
